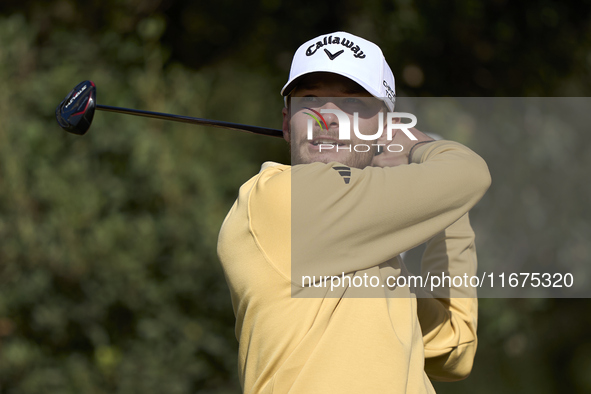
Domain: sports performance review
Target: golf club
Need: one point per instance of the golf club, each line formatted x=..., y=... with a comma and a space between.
x=74, y=114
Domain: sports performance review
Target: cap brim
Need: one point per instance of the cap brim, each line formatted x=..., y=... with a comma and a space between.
x=290, y=85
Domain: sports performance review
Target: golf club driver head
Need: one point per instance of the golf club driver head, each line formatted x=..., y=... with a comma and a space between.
x=74, y=114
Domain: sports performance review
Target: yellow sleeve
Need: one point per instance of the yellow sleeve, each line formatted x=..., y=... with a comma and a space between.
x=342, y=226
x=449, y=321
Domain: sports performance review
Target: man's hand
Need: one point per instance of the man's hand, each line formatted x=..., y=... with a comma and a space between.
x=392, y=159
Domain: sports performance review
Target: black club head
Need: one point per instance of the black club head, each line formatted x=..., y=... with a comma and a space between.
x=75, y=113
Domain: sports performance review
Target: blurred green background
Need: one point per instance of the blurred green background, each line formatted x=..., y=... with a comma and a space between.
x=109, y=280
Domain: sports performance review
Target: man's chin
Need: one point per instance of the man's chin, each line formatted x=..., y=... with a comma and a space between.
x=356, y=160
x=318, y=158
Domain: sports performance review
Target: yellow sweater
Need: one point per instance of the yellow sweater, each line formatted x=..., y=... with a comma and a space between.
x=289, y=222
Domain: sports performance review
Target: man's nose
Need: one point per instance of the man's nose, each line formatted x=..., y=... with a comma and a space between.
x=330, y=118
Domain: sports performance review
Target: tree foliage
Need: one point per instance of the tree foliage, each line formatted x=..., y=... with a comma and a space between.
x=109, y=280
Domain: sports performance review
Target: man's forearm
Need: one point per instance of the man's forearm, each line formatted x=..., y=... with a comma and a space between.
x=449, y=320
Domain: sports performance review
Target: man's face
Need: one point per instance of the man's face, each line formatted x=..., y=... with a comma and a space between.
x=319, y=91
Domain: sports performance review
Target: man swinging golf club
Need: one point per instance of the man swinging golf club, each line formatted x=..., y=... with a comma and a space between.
x=310, y=251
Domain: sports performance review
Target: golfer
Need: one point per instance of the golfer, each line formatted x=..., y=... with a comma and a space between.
x=311, y=251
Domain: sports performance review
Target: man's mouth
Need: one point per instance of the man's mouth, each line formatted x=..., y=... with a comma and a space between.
x=326, y=141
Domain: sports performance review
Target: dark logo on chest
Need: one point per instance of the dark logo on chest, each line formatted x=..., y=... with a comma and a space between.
x=345, y=172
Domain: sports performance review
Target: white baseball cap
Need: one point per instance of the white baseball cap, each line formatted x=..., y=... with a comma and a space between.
x=350, y=56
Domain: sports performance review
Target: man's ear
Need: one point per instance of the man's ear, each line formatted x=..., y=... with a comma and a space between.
x=286, y=126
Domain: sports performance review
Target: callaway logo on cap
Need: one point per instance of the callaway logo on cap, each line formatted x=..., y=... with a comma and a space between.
x=350, y=56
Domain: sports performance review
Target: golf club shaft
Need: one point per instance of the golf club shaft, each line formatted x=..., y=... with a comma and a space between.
x=198, y=121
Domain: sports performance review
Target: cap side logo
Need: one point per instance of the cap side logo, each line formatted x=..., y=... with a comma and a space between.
x=331, y=56
x=389, y=92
